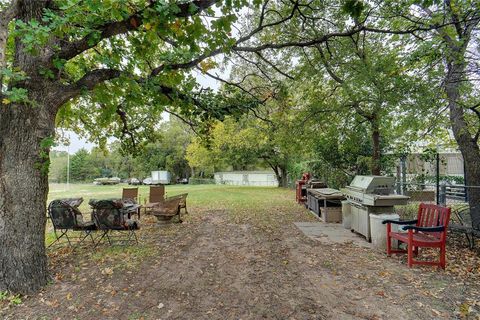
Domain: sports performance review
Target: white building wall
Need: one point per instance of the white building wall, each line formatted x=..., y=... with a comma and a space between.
x=247, y=178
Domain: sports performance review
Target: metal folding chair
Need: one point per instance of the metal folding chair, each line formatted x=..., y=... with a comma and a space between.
x=110, y=218
x=65, y=218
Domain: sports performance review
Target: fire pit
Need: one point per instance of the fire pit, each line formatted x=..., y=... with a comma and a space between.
x=371, y=195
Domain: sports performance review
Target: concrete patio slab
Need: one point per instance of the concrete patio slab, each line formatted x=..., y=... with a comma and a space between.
x=331, y=233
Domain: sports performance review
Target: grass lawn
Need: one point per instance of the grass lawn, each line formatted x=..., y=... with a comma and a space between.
x=209, y=196
x=243, y=203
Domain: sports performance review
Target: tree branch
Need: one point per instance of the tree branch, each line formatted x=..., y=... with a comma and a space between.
x=356, y=29
x=184, y=120
x=94, y=77
x=300, y=44
x=185, y=65
x=69, y=50
x=125, y=127
x=327, y=66
x=87, y=82
x=271, y=64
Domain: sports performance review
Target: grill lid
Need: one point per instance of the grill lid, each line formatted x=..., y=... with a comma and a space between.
x=373, y=184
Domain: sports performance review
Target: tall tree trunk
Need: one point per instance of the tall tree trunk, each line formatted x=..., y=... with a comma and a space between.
x=281, y=174
x=283, y=177
x=375, y=147
x=456, y=63
x=467, y=144
x=278, y=175
x=23, y=196
x=24, y=148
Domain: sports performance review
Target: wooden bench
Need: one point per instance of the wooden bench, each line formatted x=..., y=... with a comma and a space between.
x=429, y=230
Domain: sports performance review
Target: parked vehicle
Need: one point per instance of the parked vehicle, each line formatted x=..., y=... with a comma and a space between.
x=134, y=181
x=148, y=181
x=107, y=181
x=183, y=181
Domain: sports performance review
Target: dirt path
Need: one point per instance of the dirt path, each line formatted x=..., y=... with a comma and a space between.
x=210, y=268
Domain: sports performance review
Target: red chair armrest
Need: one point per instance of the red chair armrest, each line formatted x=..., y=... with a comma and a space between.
x=400, y=222
x=425, y=229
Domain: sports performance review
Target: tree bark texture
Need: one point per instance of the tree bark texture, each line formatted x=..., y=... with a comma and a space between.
x=3, y=44
x=455, y=57
x=467, y=144
x=376, y=152
x=24, y=126
x=284, y=177
x=23, y=195
x=281, y=173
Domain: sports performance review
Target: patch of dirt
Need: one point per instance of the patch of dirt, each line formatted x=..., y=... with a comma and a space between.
x=211, y=268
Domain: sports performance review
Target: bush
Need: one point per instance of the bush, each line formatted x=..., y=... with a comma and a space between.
x=201, y=181
x=407, y=212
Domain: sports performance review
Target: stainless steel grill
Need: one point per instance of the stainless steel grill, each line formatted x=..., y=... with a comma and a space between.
x=371, y=195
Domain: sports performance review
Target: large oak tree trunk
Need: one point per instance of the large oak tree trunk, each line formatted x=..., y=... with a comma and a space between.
x=467, y=144
x=23, y=196
x=24, y=132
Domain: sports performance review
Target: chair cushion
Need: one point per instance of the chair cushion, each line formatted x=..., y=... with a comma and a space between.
x=89, y=225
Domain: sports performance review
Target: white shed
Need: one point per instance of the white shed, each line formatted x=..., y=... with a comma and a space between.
x=247, y=178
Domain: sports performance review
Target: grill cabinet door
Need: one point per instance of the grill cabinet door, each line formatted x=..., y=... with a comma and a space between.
x=364, y=222
x=354, y=212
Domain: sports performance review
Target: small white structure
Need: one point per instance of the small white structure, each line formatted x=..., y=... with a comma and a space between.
x=160, y=177
x=247, y=178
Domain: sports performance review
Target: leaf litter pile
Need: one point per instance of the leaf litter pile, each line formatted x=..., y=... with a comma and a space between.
x=248, y=263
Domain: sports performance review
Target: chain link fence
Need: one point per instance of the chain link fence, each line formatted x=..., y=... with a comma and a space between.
x=433, y=177
x=438, y=178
